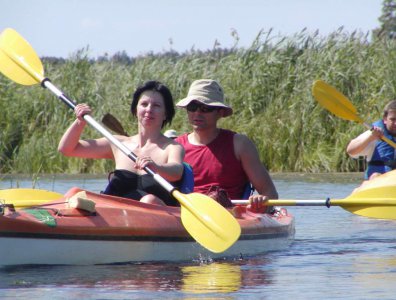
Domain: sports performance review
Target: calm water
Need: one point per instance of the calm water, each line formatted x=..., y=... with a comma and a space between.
x=335, y=255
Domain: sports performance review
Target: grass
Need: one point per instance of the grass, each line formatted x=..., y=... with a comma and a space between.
x=268, y=85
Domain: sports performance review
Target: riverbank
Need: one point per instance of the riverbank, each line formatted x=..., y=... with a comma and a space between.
x=53, y=181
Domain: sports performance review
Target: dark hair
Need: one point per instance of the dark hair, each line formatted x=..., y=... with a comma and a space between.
x=390, y=106
x=155, y=86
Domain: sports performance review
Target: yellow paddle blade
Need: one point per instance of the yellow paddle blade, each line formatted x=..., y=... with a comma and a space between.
x=27, y=197
x=18, y=60
x=373, y=211
x=334, y=101
x=375, y=202
x=209, y=223
x=338, y=104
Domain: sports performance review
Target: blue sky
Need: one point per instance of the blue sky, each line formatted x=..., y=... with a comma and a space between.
x=61, y=27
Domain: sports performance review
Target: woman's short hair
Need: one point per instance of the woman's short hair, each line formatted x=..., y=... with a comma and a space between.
x=159, y=87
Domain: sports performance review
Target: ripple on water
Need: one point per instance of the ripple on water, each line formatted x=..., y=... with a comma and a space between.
x=335, y=255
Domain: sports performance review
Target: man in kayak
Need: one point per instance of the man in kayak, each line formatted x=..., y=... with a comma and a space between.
x=152, y=105
x=222, y=160
x=381, y=156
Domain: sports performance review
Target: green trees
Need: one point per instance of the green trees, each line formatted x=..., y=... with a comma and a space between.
x=387, y=20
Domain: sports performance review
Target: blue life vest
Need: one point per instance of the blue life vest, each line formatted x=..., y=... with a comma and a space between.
x=383, y=159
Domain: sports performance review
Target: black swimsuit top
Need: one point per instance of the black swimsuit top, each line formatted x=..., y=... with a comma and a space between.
x=124, y=183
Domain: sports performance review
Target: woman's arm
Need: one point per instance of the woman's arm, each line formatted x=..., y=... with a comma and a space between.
x=71, y=145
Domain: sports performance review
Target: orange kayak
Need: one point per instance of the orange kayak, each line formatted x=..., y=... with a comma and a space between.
x=121, y=230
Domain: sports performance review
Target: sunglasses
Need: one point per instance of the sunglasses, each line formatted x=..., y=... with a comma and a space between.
x=194, y=106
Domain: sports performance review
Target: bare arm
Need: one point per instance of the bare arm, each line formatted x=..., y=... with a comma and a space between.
x=359, y=144
x=172, y=169
x=258, y=175
x=71, y=145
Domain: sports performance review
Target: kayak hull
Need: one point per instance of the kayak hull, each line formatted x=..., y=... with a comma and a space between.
x=28, y=251
x=124, y=231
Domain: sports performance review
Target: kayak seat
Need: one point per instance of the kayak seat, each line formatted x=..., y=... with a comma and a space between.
x=249, y=189
x=187, y=181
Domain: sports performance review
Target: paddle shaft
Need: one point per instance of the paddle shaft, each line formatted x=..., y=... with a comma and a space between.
x=47, y=84
x=286, y=202
x=328, y=202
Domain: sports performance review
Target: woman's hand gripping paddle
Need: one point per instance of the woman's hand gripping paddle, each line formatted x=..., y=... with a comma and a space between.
x=208, y=222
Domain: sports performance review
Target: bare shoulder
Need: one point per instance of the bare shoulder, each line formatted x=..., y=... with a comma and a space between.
x=242, y=141
x=175, y=150
x=243, y=146
x=241, y=137
x=175, y=145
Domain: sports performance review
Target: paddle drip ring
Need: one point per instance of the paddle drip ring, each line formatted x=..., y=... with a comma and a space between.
x=328, y=202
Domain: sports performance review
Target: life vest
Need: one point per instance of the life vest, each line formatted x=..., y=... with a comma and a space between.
x=384, y=156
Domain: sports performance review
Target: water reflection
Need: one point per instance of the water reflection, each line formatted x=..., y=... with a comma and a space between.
x=200, y=278
x=215, y=277
x=374, y=270
x=225, y=277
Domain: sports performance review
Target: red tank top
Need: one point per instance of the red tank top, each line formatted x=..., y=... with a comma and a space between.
x=215, y=164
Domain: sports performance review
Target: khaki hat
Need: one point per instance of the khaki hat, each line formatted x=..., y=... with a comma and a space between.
x=208, y=92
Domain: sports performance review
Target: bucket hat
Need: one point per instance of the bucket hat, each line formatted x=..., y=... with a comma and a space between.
x=208, y=92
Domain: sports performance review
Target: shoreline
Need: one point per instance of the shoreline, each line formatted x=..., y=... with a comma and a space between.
x=325, y=176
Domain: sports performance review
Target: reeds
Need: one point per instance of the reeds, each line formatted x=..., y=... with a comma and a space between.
x=268, y=84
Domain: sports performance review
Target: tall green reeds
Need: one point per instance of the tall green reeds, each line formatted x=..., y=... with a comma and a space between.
x=268, y=84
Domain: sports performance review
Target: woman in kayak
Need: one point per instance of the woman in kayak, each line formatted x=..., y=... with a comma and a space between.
x=152, y=105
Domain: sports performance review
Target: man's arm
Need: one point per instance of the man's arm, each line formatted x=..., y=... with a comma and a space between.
x=363, y=145
x=246, y=151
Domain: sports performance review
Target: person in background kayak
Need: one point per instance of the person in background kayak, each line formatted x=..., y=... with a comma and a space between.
x=171, y=133
x=152, y=105
x=381, y=157
x=220, y=158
